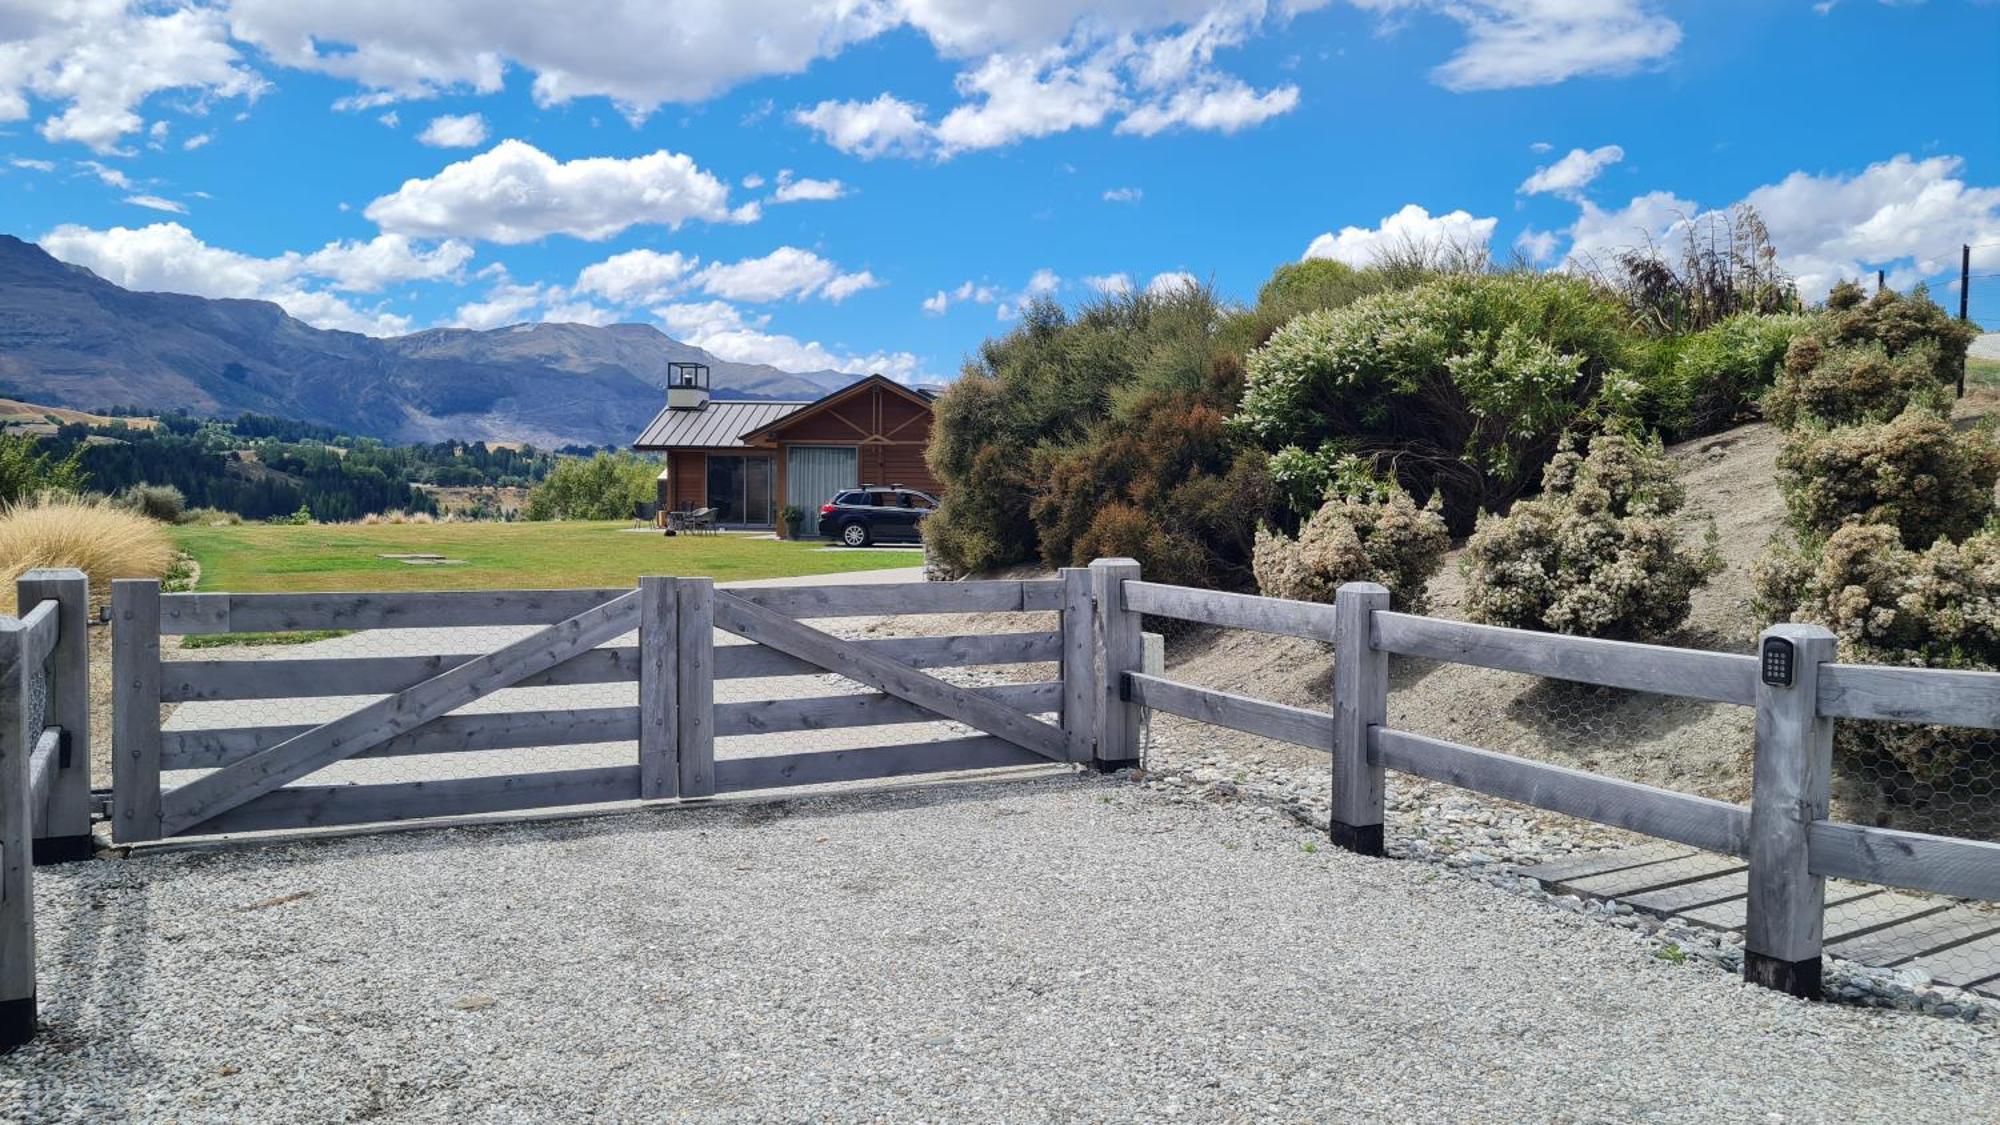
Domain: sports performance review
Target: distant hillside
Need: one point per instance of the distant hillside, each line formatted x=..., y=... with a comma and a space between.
x=71, y=338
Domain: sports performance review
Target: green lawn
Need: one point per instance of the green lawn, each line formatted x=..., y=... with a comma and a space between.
x=264, y=557
x=1983, y=372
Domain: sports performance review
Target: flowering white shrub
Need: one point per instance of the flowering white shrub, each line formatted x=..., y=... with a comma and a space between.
x=1378, y=535
x=1597, y=554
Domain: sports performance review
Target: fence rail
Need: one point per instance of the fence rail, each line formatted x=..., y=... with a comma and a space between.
x=1784, y=833
x=44, y=767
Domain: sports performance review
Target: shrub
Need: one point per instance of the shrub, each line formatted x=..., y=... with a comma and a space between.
x=1460, y=385
x=1597, y=554
x=1916, y=474
x=1378, y=535
x=1933, y=608
x=161, y=502
x=26, y=471
x=608, y=486
x=1712, y=379
x=210, y=517
x=1868, y=359
x=103, y=540
x=1847, y=384
x=1099, y=431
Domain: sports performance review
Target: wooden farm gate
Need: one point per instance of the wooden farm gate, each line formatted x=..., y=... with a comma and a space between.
x=175, y=780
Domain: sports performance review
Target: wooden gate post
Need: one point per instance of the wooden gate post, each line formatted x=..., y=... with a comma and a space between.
x=66, y=825
x=1120, y=649
x=135, y=702
x=659, y=690
x=17, y=875
x=1079, y=664
x=694, y=703
x=1789, y=789
x=1360, y=701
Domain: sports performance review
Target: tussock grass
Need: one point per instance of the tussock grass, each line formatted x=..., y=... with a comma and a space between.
x=105, y=541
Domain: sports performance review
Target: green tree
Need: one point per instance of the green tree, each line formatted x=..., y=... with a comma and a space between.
x=608, y=486
x=27, y=469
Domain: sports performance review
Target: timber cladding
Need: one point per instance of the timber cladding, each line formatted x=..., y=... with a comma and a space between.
x=887, y=425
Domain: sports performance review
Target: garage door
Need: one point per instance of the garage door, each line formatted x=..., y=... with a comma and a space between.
x=813, y=473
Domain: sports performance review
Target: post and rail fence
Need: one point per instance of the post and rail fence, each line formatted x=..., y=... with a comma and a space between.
x=247, y=778
x=44, y=767
x=1794, y=684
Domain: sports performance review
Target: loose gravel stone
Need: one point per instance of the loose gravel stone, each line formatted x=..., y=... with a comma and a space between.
x=1053, y=949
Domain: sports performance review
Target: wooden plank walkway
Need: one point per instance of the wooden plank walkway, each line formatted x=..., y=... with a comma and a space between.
x=1956, y=944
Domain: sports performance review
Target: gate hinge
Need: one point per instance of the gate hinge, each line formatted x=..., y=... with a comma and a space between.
x=1124, y=687
x=62, y=748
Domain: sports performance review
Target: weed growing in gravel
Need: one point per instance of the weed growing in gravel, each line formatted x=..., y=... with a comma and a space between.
x=1671, y=953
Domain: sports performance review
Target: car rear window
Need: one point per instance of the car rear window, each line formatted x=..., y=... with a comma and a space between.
x=851, y=498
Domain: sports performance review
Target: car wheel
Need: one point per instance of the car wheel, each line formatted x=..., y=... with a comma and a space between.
x=855, y=535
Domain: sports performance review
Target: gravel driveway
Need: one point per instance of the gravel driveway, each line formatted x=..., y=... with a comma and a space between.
x=1067, y=948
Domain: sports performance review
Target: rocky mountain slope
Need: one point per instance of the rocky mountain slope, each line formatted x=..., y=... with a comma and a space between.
x=70, y=338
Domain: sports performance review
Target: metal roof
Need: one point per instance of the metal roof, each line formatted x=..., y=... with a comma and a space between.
x=719, y=425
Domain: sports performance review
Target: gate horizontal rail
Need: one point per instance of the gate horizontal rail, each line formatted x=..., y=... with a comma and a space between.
x=1791, y=845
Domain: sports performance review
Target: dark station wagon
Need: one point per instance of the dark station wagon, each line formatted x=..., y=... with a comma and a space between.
x=876, y=513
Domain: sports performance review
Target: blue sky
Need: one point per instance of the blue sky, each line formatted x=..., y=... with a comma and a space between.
x=879, y=184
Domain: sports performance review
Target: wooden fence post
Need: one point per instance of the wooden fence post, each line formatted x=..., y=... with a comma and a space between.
x=66, y=825
x=1120, y=649
x=1079, y=664
x=1789, y=787
x=1360, y=701
x=694, y=705
x=17, y=883
x=135, y=701
x=659, y=730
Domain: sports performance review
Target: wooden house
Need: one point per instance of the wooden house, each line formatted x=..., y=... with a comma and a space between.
x=748, y=459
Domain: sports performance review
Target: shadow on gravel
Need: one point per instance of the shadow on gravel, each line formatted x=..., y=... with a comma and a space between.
x=719, y=815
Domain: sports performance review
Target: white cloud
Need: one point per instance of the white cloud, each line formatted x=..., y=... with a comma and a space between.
x=1515, y=43
x=937, y=303
x=1171, y=282
x=466, y=130
x=167, y=257
x=753, y=181
x=785, y=272
x=967, y=291
x=1044, y=282
x=506, y=303
x=1537, y=246
x=32, y=164
x=887, y=126
x=1110, y=284
x=1223, y=105
x=391, y=119
x=1902, y=215
x=196, y=141
x=638, y=55
x=578, y=312
x=385, y=260
x=515, y=192
x=1574, y=172
x=636, y=276
x=721, y=328
x=1598, y=235
x=101, y=60
x=1412, y=226
x=156, y=203
x=108, y=176
x=1124, y=195
x=1021, y=96
x=1540, y=147
x=807, y=190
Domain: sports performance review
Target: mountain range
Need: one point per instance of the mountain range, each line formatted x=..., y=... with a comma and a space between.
x=70, y=338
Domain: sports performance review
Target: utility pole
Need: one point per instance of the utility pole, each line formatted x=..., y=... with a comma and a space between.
x=1964, y=302
x=1881, y=280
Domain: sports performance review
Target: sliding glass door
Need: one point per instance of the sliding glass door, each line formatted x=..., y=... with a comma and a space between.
x=739, y=489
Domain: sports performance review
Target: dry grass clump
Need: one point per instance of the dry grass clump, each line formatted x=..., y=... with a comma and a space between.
x=398, y=516
x=103, y=540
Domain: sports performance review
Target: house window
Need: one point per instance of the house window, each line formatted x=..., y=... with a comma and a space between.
x=739, y=489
